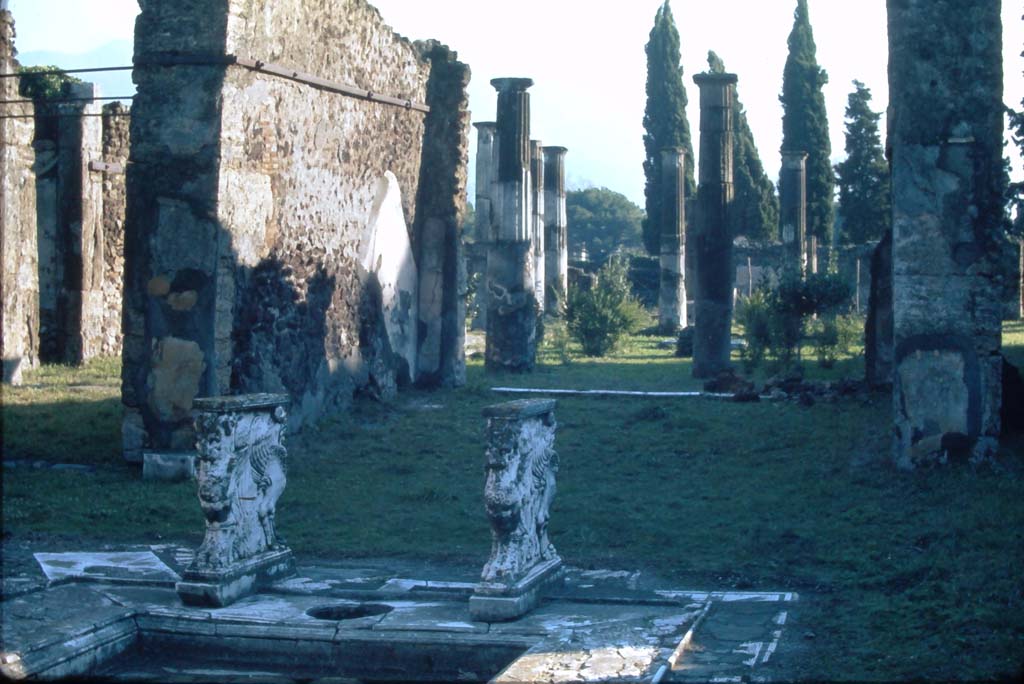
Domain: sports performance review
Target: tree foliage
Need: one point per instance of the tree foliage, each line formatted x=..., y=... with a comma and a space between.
x=863, y=177
x=755, y=208
x=38, y=84
x=805, y=122
x=603, y=220
x=665, y=123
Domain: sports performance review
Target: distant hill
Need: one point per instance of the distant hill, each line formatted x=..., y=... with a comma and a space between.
x=111, y=83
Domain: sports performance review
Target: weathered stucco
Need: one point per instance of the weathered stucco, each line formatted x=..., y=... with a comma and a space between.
x=19, y=288
x=290, y=186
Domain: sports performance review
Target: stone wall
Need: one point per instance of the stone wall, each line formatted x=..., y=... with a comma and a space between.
x=321, y=233
x=19, y=283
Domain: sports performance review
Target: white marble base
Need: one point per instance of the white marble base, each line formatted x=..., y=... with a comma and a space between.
x=222, y=588
x=495, y=602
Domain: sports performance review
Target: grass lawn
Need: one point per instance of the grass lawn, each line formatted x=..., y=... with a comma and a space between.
x=905, y=575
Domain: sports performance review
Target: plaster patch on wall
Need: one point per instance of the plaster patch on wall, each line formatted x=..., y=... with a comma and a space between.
x=248, y=217
x=386, y=252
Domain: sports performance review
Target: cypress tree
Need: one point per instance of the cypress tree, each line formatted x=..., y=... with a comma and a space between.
x=805, y=123
x=864, y=176
x=755, y=207
x=665, y=122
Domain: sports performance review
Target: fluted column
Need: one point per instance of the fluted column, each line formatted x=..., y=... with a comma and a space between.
x=537, y=218
x=713, y=239
x=556, y=239
x=672, y=290
x=511, y=300
x=793, y=209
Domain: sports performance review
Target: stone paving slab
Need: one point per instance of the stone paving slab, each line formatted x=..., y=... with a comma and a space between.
x=127, y=566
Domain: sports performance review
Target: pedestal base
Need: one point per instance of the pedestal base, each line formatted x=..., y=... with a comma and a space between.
x=222, y=588
x=495, y=602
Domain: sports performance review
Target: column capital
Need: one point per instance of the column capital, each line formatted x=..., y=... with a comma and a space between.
x=511, y=84
x=794, y=158
x=485, y=125
x=706, y=79
x=554, y=149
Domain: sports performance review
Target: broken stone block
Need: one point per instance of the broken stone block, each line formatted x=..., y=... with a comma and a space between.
x=168, y=466
x=241, y=474
x=520, y=486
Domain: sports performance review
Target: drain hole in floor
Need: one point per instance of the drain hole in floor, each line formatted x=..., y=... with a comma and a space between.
x=348, y=611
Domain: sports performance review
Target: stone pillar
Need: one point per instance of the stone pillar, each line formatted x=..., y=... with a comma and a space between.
x=115, y=158
x=80, y=225
x=241, y=475
x=19, y=280
x=878, y=327
x=945, y=133
x=713, y=239
x=793, y=209
x=556, y=238
x=537, y=219
x=440, y=208
x=672, y=290
x=486, y=165
x=511, y=301
x=521, y=467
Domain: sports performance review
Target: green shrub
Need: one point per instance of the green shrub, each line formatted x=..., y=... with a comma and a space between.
x=684, y=343
x=600, y=317
x=776, y=321
x=834, y=336
x=754, y=313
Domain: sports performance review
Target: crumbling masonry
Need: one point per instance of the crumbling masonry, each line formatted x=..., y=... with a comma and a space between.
x=283, y=236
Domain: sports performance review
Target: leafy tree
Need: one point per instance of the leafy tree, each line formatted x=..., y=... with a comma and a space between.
x=665, y=122
x=863, y=177
x=603, y=220
x=805, y=123
x=755, y=208
x=39, y=85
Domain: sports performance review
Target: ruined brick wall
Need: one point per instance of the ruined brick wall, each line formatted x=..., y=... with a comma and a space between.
x=115, y=152
x=945, y=135
x=19, y=283
x=308, y=284
x=299, y=173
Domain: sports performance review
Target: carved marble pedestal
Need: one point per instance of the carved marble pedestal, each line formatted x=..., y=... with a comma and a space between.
x=521, y=468
x=241, y=474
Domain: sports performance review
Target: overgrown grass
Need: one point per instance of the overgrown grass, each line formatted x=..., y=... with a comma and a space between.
x=905, y=575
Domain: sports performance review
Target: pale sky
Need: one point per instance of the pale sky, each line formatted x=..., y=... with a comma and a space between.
x=587, y=60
